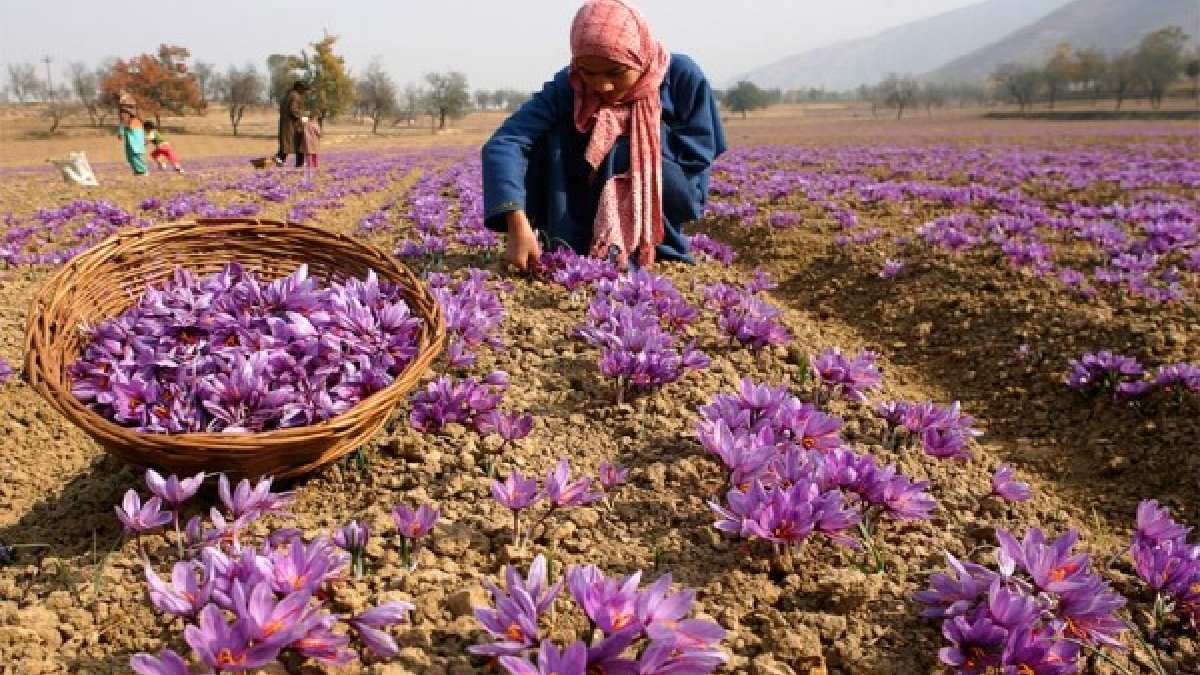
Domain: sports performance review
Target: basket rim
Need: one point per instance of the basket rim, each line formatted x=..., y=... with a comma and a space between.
x=77, y=412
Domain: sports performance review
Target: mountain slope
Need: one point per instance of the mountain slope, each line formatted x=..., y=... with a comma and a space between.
x=914, y=47
x=1112, y=25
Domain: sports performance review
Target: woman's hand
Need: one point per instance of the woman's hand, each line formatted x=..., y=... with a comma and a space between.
x=523, y=250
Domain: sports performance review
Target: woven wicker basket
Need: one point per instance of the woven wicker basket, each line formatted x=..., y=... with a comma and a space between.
x=105, y=280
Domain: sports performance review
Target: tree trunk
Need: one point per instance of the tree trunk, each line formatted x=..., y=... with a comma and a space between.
x=375, y=122
x=442, y=118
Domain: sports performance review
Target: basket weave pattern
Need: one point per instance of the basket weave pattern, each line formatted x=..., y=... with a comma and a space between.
x=104, y=281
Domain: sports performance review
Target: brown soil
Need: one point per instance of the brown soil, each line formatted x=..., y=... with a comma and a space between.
x=946, y=330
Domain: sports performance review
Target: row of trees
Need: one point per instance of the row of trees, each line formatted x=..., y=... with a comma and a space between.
x=1150, y=69
x=165, y=83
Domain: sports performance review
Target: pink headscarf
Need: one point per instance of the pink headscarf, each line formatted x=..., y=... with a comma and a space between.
x=630, y=213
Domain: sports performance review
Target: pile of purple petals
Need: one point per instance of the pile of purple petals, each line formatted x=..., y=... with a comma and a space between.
x=473, y=312
x=791, y=475
x=944, y=432
x=231, y=352
x=1036, y=612
x=642, y=630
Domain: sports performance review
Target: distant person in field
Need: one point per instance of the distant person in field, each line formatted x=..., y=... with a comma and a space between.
x=163, y=152
x=292, y=121
x=312, y=142
x=613, y=156
x=132, y=133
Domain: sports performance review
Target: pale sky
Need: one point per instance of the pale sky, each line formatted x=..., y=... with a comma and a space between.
x=518, y=43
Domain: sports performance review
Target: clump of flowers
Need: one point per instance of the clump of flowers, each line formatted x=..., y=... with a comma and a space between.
x=518, y=493
x=944, y=432
x=231, y=352
x=630, y=629
x=744, y=316
x=473, y=313
x=851, y=379
x=1106, y=373
x=1169, y=566
x=469, y=402
x=791, y=476
x=707, y=247
x=891, y=267
x=575, y=272
x=630, y=320
x=1036, y=612
x=249, y=600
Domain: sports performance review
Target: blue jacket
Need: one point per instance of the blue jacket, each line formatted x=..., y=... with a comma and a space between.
x=535, y=161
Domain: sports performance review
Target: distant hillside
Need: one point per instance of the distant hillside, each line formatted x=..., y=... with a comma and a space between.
x=1111, y=25
x=914, y=47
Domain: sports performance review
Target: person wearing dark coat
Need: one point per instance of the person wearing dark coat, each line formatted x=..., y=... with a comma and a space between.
x=550, y=179
x=292, y=121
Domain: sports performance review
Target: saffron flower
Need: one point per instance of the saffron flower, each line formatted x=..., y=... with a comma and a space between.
x=1007, y=488
x=137, y=517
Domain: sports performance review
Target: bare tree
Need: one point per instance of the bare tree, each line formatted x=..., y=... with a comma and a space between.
x=208, y=79
x=899, y=92
x=23, y=82
x=1018, y=83
x=1160, y=60
x=377, y=95
x=241, y=89
x=1192, y=70
x=1122, y=76
x=1058, y=72
x=58, y=106
x=1090, y=65
x=448, y=97
x=85, y=84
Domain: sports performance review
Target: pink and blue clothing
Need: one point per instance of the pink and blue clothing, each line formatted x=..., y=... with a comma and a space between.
x=536, y=162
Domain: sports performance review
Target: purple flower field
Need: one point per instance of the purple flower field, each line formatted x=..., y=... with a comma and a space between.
x=921, y=406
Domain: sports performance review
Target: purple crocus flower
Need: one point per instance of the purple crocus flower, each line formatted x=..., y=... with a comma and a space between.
x=371, y=624
x=352, y=536
x=550, y=661
x=663, y=615
x=416, y=524
x=269, y=620
x=188, y=591
x=1008, y=489
x=977, y=646
x=891, y=267
x=1155, y=525
x=610, y=604
x=562, y=492
x=245, y=500
x=137, y=517
x=612, y=476
x=6, y=370
x=322, y=643
x=224, y=647
x=166, y=663
x=511, y=427
x=304, y=568
x=172, y=490
x=516, y=493
x=513, y=622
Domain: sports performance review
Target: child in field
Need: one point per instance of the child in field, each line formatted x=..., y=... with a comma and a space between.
x=132, y=132
x=613, y=155
x=162, y=149
x=312, y=142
